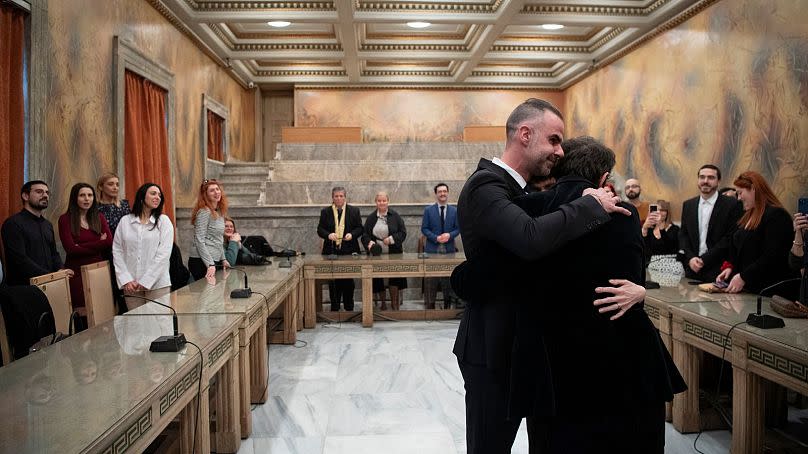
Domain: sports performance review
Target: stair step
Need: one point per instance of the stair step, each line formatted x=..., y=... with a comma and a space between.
x=354, y=170
x=358, y=192
x=388, y=151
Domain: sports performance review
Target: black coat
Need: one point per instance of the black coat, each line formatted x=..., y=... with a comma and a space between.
x=761, y=255
x=396, y=226
x=723, y=223
x=501, y=233
x=597, y=364
x=353, y=225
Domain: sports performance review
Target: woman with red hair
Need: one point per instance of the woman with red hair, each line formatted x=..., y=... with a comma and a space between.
x=758, y=252
x=209, y=213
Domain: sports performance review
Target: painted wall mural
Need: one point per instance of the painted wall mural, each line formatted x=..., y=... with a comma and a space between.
x=728, y=87
x=410, y=115
x=79, y=112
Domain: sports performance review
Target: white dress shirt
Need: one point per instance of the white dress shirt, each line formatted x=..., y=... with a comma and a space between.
x=142, y=254
x=705, y=211
x=511, y=172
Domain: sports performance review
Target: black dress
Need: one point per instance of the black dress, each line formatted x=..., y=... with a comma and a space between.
x=398, y=231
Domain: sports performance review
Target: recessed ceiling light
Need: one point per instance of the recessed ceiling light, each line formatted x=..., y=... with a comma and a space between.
x=418, y=24
x=552, y=26
x=279, y=23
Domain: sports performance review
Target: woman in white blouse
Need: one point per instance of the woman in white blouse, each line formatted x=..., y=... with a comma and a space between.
x=141, y=248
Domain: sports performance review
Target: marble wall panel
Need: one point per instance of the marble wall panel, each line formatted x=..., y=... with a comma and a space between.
x=390, y=115
x=728, y=87
x=79, y=113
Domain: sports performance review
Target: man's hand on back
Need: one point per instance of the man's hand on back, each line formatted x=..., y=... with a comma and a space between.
x=607, y=201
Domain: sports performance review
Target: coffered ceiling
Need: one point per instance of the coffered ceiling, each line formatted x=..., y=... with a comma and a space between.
x=468, y=43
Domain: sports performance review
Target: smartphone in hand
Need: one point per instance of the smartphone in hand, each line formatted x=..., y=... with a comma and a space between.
x=802, y=205
x=721, y=284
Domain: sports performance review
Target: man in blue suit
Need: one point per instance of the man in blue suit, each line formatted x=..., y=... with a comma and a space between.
x=440, y=228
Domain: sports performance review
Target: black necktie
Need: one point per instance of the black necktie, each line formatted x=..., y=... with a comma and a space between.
x=339, y=214
x=442, y=220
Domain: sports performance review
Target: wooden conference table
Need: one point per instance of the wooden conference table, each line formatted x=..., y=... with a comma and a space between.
x=103, y=391
x=691, y=321
x=366, y=267
x=272, y=287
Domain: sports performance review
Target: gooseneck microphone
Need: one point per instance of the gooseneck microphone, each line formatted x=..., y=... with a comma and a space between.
x=165, y=343
x=765, y=321
x=245, y=292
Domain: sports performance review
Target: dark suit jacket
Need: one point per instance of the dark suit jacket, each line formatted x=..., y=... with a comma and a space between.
x=723, y=223
x=761, y=255
x=491, y=223
x=394, y=224
x=602, y=365
x=353, y=225
x=430, y=227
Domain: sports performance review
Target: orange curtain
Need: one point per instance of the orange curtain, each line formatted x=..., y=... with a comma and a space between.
x=215, y=143
x=12, y=109
x=146, y=138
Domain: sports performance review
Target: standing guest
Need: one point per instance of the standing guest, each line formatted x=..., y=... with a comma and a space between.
x=440, y=227
x=708, y=223
x=207, y=249
x=633, y=192
x=340, y=227
x=85, y=236
x=28, y=238
x=142, y=248
x=758, y=252
x=661, y=236
x=113, y=208
x=385, y=229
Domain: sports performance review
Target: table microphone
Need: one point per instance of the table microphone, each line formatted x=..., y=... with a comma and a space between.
x=245, y=292
x=165, y=343
x=765, y=321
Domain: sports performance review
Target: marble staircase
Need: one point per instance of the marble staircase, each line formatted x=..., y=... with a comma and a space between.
x=282, y=198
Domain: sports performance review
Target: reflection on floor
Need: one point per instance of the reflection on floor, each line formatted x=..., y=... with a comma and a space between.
x=392, y=389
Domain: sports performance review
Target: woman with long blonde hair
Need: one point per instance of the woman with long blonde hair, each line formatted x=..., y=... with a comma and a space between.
x=758, y=252
x=208, y=216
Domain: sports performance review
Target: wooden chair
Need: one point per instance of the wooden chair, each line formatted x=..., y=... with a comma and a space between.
x=56, y=286
x=98, y=297
x=5, y=347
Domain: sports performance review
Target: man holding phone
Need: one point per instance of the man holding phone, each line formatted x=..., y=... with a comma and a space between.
x=708, y=222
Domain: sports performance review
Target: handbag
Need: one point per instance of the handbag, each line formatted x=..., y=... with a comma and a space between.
x=788, y=308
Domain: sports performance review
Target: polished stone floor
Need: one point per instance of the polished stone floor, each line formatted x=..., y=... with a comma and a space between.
x=391, y=389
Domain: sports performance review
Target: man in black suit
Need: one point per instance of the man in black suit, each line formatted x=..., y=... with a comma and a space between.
x=340, y=227
x=708, y=222
x=486, y=348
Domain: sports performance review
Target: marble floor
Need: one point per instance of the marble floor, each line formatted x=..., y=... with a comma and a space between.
x=392, y=389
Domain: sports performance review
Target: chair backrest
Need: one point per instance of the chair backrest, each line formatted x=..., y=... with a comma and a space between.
x=56, y=286
x=98, y=297
x=5, y=346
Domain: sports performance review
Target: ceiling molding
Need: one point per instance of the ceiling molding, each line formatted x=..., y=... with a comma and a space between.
x=472, y=42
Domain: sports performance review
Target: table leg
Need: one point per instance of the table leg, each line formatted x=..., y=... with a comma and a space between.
x=188, y=425
x=367, y=302
x=244, y=390
x=309, y=312
x=685, y=406
x=258, y=366
x=747, y=412
x=228, y=423
x=290, y=317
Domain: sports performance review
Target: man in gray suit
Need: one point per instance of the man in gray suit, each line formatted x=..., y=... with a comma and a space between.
x=491, y=357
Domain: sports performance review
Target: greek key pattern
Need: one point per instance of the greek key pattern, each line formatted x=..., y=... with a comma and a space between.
x=439, y=267
x=791, y=368
x=220, y=350
x=398, y=268
x=130, y=435
x=256, y=315
x=652, y=312
x=708, y=335
x=346, y=269
x=173, y=394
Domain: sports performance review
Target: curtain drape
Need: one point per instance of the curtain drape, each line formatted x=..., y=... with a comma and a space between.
x=215, y=142
x=146, y=138
x=12, y=108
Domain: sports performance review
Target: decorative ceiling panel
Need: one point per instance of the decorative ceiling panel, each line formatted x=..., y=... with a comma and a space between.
x=466, y=43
